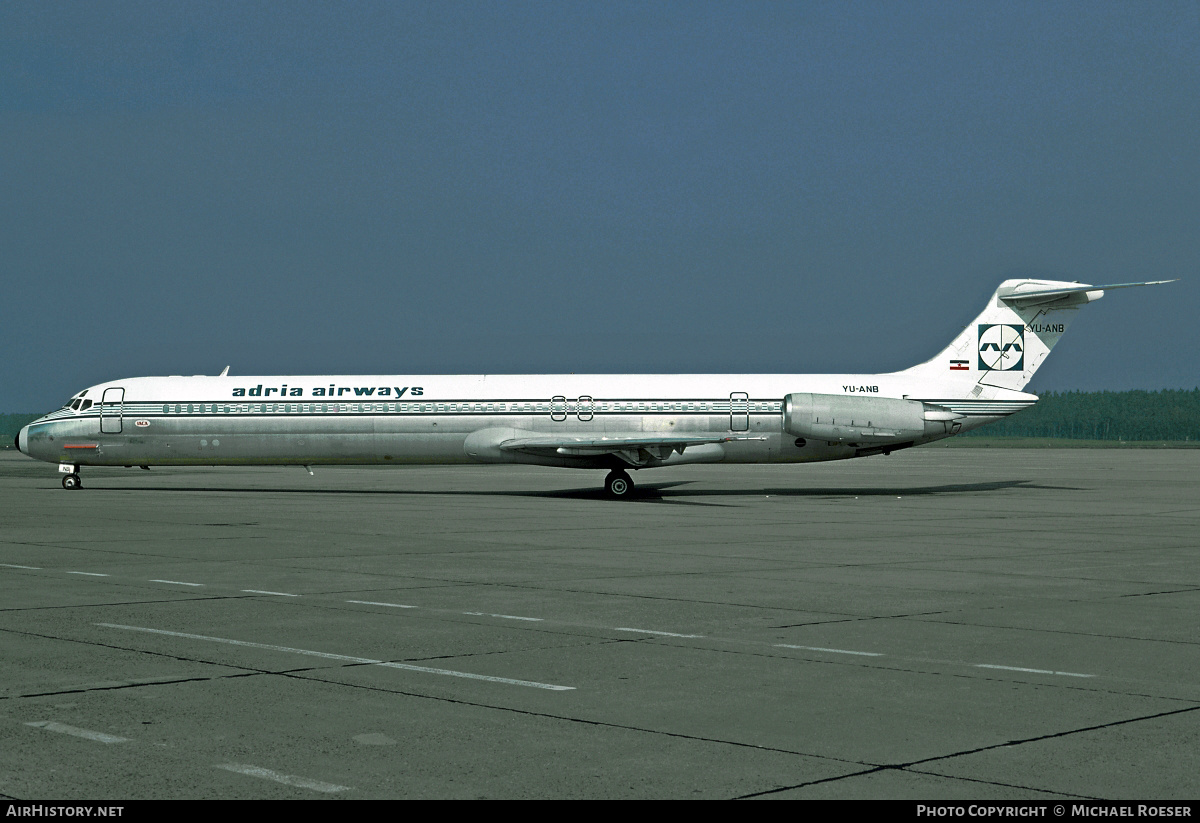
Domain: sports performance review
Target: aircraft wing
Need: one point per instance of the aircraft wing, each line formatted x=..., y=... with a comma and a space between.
x=630, y=447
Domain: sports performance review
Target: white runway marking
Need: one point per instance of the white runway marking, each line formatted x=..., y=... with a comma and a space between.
x=89, y=574
x=277, y=594
x=373, y=603
x=450, y=673
x=505, y=616
x=176, y=582
x=62, y=728
x=1033, y=671
x=286, y=779
x=831, y=651
x=664, y=634
x=344, y=658
x=15, y=566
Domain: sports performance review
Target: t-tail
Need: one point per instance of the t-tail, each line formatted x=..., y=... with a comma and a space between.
x=1003, y=347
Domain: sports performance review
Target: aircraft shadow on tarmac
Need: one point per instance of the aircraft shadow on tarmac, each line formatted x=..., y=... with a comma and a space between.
x=646, y=492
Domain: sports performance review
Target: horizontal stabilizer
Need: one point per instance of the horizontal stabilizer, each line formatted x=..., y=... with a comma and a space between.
x=1033, y=297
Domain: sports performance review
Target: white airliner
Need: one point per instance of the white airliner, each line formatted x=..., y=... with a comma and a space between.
x=596, y=421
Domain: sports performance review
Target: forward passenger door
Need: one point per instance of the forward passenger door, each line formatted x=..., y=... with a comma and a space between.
x=112, y=410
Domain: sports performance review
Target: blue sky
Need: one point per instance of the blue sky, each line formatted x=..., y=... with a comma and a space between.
x=587, y=187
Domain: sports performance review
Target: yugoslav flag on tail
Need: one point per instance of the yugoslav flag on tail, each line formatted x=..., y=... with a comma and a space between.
x=1005, y=345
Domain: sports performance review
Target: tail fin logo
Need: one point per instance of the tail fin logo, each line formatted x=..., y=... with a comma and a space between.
x=1001, y=347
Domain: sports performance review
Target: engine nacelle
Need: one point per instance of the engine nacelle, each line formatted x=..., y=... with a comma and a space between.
x=835, y=418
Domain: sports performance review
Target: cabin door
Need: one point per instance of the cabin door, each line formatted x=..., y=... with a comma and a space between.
x=558, y=407
x=739, y=411
x=584, y=407
x=112, y=410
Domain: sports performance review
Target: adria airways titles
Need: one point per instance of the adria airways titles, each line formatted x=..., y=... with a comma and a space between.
x=600, y=421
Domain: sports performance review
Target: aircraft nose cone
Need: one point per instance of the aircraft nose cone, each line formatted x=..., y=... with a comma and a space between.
x=21, y=441
x=17, y=441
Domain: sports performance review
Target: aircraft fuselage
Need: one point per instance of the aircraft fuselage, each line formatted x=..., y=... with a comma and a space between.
x=617, y=422
x=431, y=419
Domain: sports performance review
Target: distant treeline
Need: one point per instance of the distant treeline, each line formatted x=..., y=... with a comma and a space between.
x=10, y=424
x=1171, y=414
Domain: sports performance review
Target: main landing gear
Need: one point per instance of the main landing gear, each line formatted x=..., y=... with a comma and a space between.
x=618, y=485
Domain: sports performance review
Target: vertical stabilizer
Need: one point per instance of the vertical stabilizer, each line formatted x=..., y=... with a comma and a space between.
x=1009, y=340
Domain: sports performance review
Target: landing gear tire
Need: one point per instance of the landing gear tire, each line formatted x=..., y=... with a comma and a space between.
x=618, y=485
x=71, y=482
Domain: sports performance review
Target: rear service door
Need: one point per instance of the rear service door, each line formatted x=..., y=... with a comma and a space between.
x=112, y=410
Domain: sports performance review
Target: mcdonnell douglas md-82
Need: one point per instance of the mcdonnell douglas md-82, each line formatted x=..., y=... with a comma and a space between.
x=598, y=421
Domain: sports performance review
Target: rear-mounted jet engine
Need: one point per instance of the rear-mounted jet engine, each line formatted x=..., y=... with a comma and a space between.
x=864, y=421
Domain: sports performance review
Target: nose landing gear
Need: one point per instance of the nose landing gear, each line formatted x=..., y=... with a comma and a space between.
x=618, y=485
x=70, y=472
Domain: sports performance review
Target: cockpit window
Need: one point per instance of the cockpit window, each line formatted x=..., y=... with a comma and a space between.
x=76, y=401
x=87, y=404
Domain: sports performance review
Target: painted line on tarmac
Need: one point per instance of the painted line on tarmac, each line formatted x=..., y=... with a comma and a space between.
x=448, y=672
x=532, y=684
x=343, y=658
x=1033, y=671
x=373, y=603
x=831, y=651
x=952, y=662
x=286, y=779
x=88, y=734
x=15, y=566
x=504, y=616
x=652, y=631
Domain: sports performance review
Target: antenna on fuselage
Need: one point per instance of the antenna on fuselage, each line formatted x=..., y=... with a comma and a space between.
x=224, y=373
